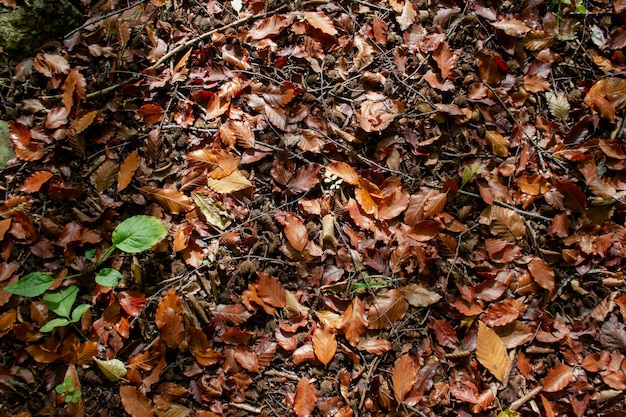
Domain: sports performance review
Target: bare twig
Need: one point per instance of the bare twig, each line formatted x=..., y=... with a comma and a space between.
x=106, y=16
x=527, y=397
x=246, y=407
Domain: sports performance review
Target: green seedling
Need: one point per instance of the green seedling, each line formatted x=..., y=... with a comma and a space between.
x=135, y=234
x=67, y=388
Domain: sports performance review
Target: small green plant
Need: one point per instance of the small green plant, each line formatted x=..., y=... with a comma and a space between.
x=133, y=235
x=67, y=388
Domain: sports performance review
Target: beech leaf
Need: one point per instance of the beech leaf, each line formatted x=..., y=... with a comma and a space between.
x=418, y=296
x=113, y=369
x=558, y=378
x=305, y=398
x=320, y=21
x=404, y=377
x=235, y=181
x=295, y=230
x=127, y=170
x=387, y=309
x=169, y=319
x=491, y=353
x=325, y=345
x=542, y=273
x=135, y=402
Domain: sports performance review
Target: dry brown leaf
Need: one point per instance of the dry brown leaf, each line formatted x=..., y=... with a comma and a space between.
x=305, y=398
x=75, y=409
x=374, y=346
x=491, y=353
x=499, y=145
x=542, y=273
x=365, y=52
x=404, y=377
x=171, y=199
x=74, y=85
x=408, y=15
x=220, y=163
x=512, y=27
x=135, y=402
x=35, y=181
x=295, y=230
x=81, y=123
x=558, y=378
x=504, y=222
x=169, y=320
x=105, y=175
x=229, y=184
x=127, y=170
x=324, y=344
x=387, y=309
x=444, y=57
x=354, y=321
x=320, y=21
x=418, y=296
x=270, y=290
x=343, y=171
x=607, y=96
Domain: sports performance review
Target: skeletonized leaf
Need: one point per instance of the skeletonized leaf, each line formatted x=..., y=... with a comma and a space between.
x=173, y=200
x=387, y=309
x=325, y=345
x=320, y=21
x=558, y=105
x=305, y=398
x=113, y=369
x=542, y=273
x=295, y=230
x=229, y=184
x=169, y=319
x=135, y=402
x=418, y=296
x=491, y=352
x=558, y=378
x=404, y=377
x=127, y=170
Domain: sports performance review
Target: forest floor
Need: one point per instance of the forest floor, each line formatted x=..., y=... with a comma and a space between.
x=372, y=208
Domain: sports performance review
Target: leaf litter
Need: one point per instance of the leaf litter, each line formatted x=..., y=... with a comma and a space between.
x=393, y=207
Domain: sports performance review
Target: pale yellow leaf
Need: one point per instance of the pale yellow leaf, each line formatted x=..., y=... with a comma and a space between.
x=113, y=369
x=231, y=183
x=491, y=353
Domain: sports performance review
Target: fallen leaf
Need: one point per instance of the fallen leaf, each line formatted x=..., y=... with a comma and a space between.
x=512, y=27
x=135, y=402
x=270, y=290
x=35, y=181
x=321, y=21
x=387, y=308
x=542, y=273
x=229, y=184
x=418, y=296
x=295, y=230
x=354, y=321
x=491, y=353
x=325, y=345
x=113, y=369
x=305, y=398
x=173, y=200
x=404, y=377
x=169, y=320
x=127, y=170
x=499, y=145
x=558, y=378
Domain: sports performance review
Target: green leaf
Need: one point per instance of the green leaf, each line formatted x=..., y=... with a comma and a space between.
x=508, y=413
x=58, y=322
x=61, y=301
x=108, y=277
x=31, y=285
x=6, y=146
x=78, y=312
x=90, y=253
x=138, y=233
x=60, y=389
x=470, y=173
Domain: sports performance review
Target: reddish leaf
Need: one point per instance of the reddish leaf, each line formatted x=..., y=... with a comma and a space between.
x=305, y=178
x=445, y=59
x=135, y=402
x=444, y=332
x=132, y=302
x=542, y=273
x=105, y=175
x=404, y=377
x=74, y=85
x=268, y=27
x=354, y=321
x=234, y=314
x=558, y=378
x=500, y=314
x=387, y=309
x=512, y=27
x=295, y=230
x=24, y=149
x=247, y=358
x=220, y=163
x=34, y=181
x=343, y=171
x=325, y=345
x=169, y=320
x=127, y=170
x=374, y=346
x=380, y=30
x=151, y=113
x=320, y=21
x=56, y=118
x=51, y=64
x=270, y=290
x=305, y=398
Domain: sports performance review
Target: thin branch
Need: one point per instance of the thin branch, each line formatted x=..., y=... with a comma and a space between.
x=106, y=16
x=527, y=397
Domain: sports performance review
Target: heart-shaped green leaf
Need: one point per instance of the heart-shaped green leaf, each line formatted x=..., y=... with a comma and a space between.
x=108, y=277
x=31, y=285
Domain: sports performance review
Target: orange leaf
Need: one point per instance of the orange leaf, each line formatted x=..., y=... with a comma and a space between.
x=500, y=314
x=354, y=321
x=229, y=184
x=81, y=123
x=169, y=320
x=320, y=21
x=247, y=358
x=325, y=345
x=34, y=181
x=374, y=346
x=170, y=198
x=343, y=171
x=418, y=296
x=512, y=27
x=607, y=96
x=558, y=378
x=75, y=409
x=220, y=163
x=305, y=398
x=295, y=230
x=201, y=348
x=542, y=273
x=127, y=170
x=270, y=290
x=404, y=377
x=270, y=26
x=499, y=145
x=387, y=309
x=533, y=185
x=105, y=175
x=218, y=105
x=50, y=64
x=491, y=353
x=74, y=84
x=135, y=402
x=151, y=113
